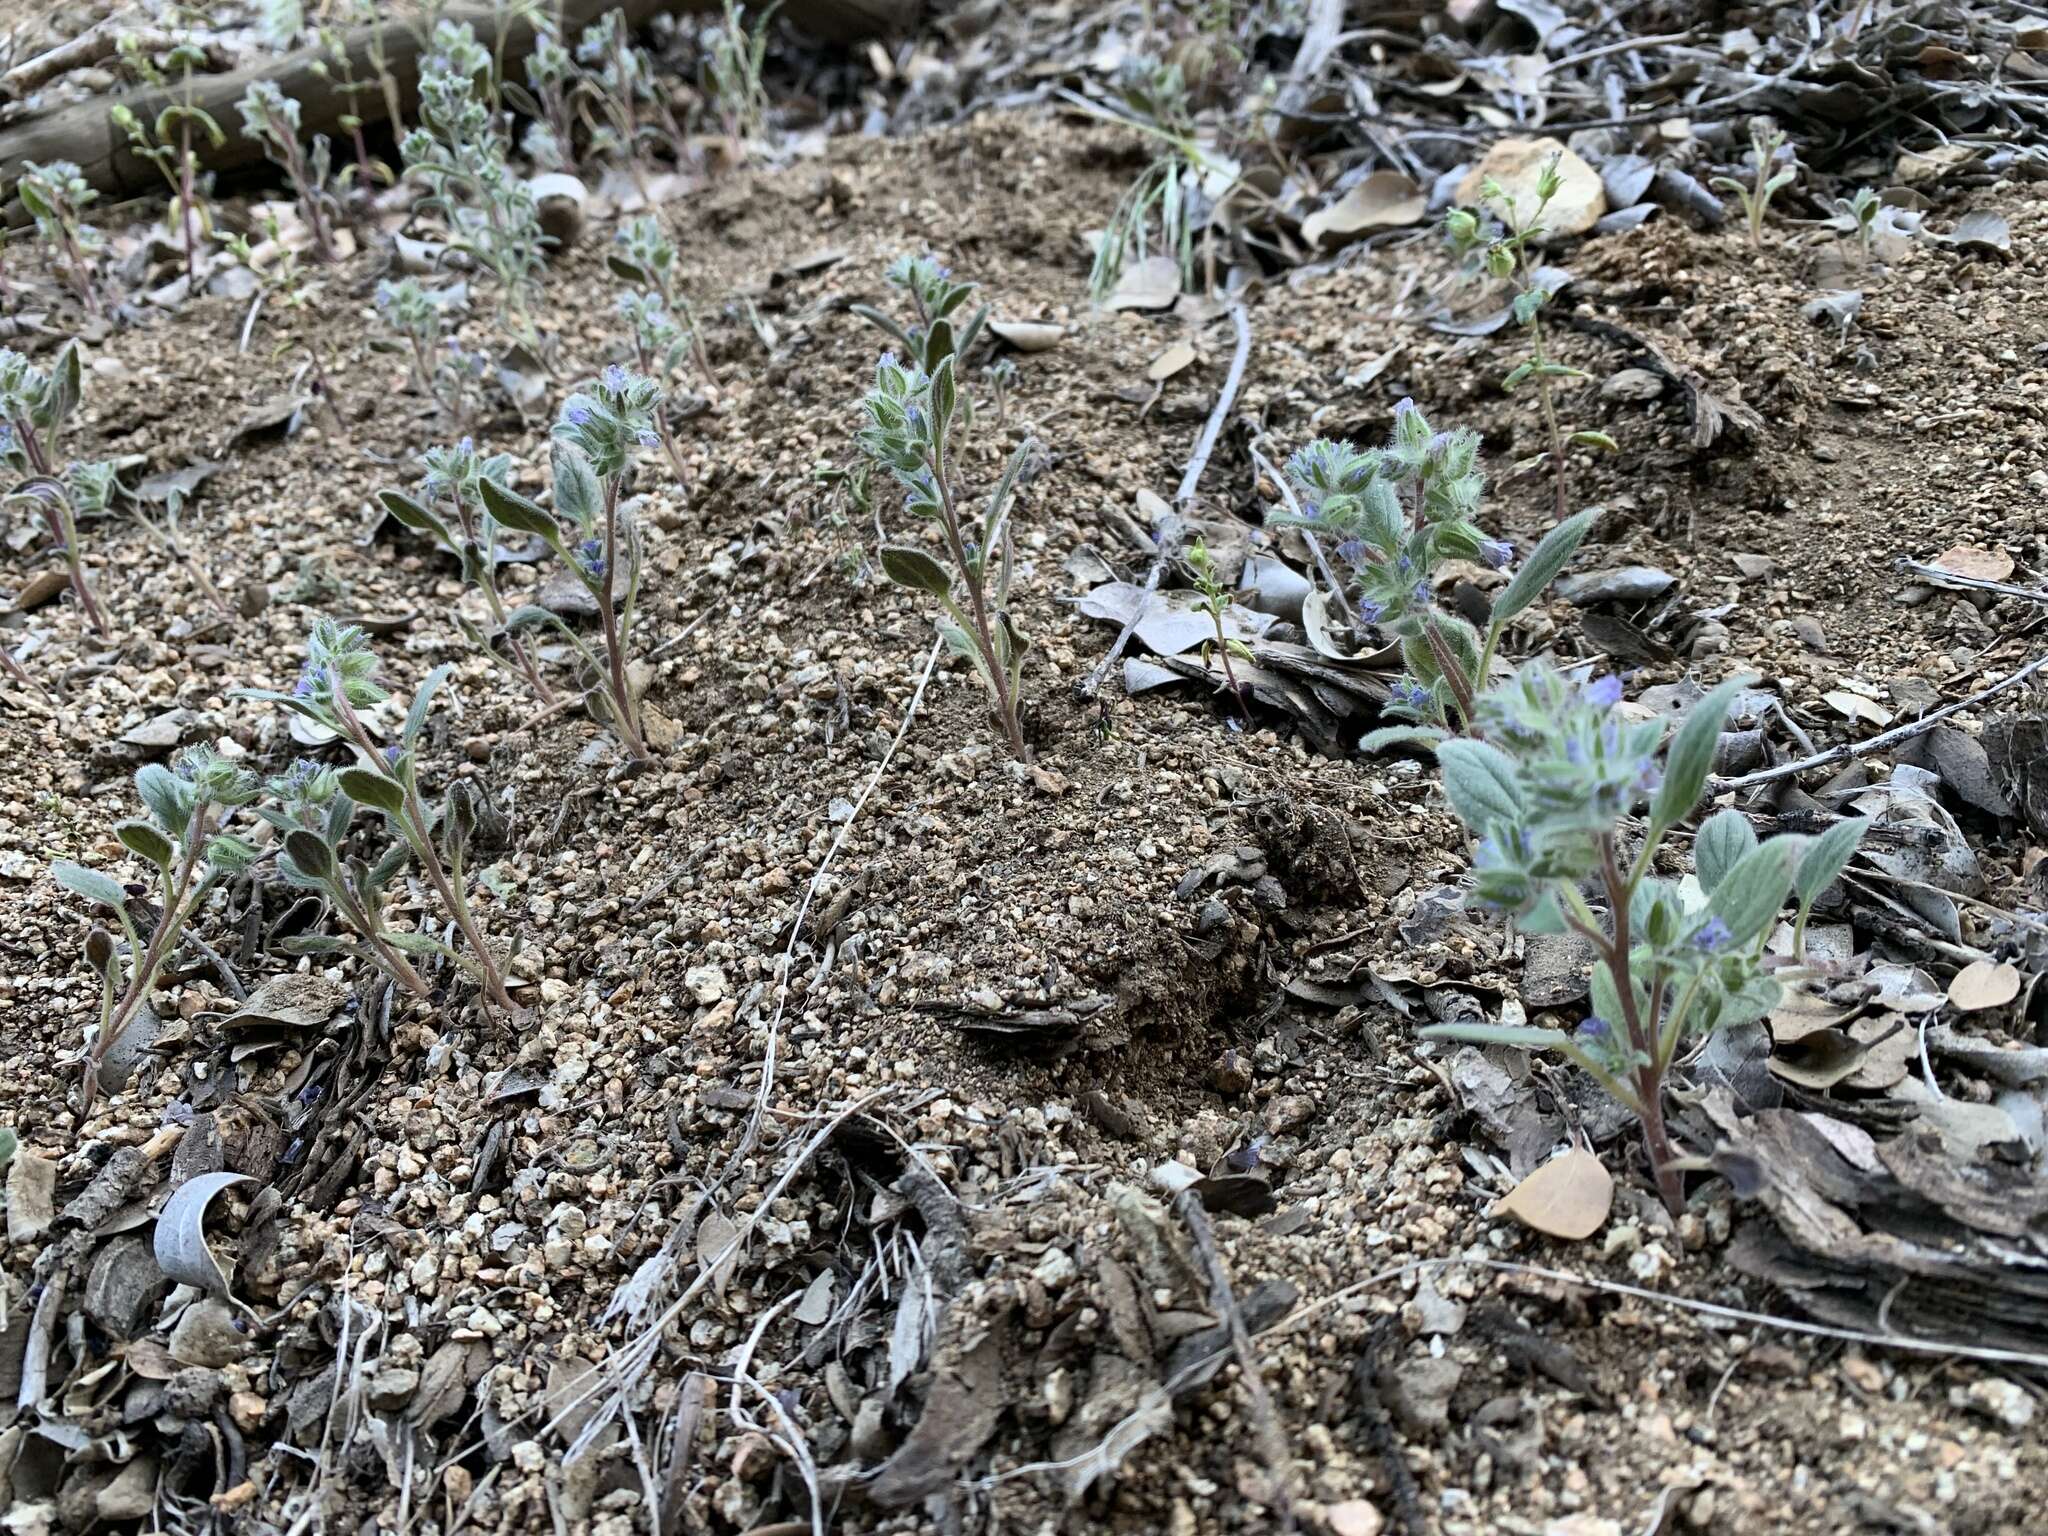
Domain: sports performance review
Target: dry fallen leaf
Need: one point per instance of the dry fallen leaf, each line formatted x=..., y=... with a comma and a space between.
x=1969, y=560
x=1170, y=362
x=1153, y=283
x=1384, y=200
x=1857, y=707
x=1568, y=1197
x=1028, y=335
x=1980, y=985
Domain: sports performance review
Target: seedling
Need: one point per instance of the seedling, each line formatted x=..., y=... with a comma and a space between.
x=339, y=68
x=34, y=408
x=615, y=92
x=734, y=54
x=642, y=253
x=272, y=119
x=56, y=197
x=313, y=818
x=1216, y=603
x=550, y=138
x=281, y=284
x=1396, y=514
x=1002, y=377
x=1546, y=792
x=185, y=843
x=423, y=316
x=337, y=680
x=450, y=508
x=167, y=143
x=458, y=153
x=1767, y=179
x=592, y=532
x=1507, y=253
x=1860, y=210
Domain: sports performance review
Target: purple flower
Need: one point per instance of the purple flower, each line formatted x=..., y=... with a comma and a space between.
x=1351, y=551
x=590, y=555
x=1419, y=594
x=466, y=446
x=1410, y=694
x=616, y=378
x=1370, y=612
x=1713, y=936
x=1604, y=692
x=577, y=415
x=889, y=358
x=311, y=676
x=1594, y=1029
x=1496, y=552
x=648, y=440
x=1404, y=408
x=391, y=755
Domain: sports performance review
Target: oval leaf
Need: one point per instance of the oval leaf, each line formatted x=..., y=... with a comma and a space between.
x=1542, y=566
x=373, y=790
x=144, y=841
x=1480, y=781
x=514, y=511
x=309, y=853
x=403, y=509
x=914, y=568
x=1691, y=756
x=1568, y=1197
x=1724, y=839
x=89, y=883
x=1827, y=856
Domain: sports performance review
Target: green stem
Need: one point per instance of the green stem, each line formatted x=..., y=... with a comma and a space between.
x=984, y=636
x=624, y=708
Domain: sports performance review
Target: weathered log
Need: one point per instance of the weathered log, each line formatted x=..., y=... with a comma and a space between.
x=83, y=132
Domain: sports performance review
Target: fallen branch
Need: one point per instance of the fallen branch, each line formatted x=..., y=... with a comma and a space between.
x=1883, y=742
x=1167, y=535
x=83, y=133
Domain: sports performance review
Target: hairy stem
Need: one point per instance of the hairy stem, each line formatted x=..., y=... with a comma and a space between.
x=984, y=637
x=624, y=707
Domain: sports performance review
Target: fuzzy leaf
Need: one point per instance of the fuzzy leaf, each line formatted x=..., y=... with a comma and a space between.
x=145, y=841
x=578, y=496
x=1826, y=857
x=1541, y=568
x=909, y=567
x=1480, y=781
x=1749, y=897
x=945, y=393
x=309, y=852
x=422, y=702
x=89, y=883
x=1691, y=756
x=514, y=511
x=169, y=798
x=373, y=790
x=1724, y=839
x=412, y=514
x=1389, y=736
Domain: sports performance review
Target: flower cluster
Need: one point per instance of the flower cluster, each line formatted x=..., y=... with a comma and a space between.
x=936, y=328
x=608, y=419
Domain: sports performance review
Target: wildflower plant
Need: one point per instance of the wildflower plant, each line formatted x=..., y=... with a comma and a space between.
x=1767, y=177
x=734, y=54
x=1504, y=247
x=593, y=533
x=312, y=816
x=35, y=406
x=1396, y=515
x=1548, y=790
x=1215, y=602
x=1002, y=377
x=338, y=679
x=935, y=331
x=615, y=93
x=458, y=153
x=168, y=142
x=272, y=119
x=660, y=316
x=449, y=507
x=56, y=197
x=551, y=73
x=185, y=843
x=423, y=318
x=914, y=426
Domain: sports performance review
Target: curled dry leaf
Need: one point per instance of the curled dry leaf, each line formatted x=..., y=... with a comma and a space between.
x=1153, y=283
x=181, y=1250
x=1970, y=560
x=1981, y=984
x=1568, y=1197
x=1384, y=200
x=1028, y=335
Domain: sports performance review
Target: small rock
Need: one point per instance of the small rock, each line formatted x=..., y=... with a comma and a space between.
x=707, y=983
x=251, y=598
x=1418, y=1393
x=1556, y=969
x=1231, y=1074
x=1289, y=1112
x=1354, y=1517
x=870, y=1440
x=193, y=1392
x=132, y=1494
x=161, y=732
x=1633, y=386
x=1754, y=567
x=1806, y=628
x=206, y=1335
x=2005, y=1401
x=391, y=1387
x=560, y=200
x=31, y=1190
x=1619, y=584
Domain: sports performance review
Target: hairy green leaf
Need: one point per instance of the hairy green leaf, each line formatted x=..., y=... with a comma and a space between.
x=1826, y=857
x=1723, y=840
x=145, y=841
x=89, y=883
x=373, y=790
x=914, y=568
x=1542, y=567
x=1691, y=755
x=514, y=511
x=1480, y=781
x=1527, y=1036
x=1749, y=897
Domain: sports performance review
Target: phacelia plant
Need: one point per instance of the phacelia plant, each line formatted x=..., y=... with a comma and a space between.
x=338, y=679
x=616, y=94
x=186, y=845
x=664, y=325
x=934, y=332
x=450, y=508
x=1859, y=213
x=1395, y=515
x=734, y=53
x=459, y=155
x=168, y=142
x=549, y=140
x=914, y=426
x=56, y=197
x=1506, y=251
x=271, y=118
x=1215, y=602
x=35, y=405
x=424, y=318
x=593, y=533
x=1547, y=791
x=1767, y=177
